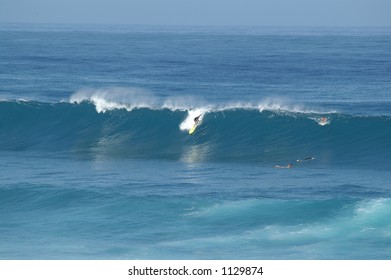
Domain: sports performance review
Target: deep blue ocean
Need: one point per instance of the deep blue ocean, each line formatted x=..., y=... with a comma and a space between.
x=96, y=161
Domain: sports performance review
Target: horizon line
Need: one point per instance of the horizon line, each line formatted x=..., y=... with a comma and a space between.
x=188, y=25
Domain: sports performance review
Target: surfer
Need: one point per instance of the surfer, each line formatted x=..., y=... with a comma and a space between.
x=284, y=166
x=323, y=121
x=197, y=119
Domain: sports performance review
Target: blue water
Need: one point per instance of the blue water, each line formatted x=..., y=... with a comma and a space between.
x=96, y=161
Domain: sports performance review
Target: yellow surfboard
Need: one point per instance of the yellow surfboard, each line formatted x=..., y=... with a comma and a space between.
x=197, y=122
x=191, y=131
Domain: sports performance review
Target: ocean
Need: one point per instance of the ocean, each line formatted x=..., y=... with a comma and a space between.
x=96, y=161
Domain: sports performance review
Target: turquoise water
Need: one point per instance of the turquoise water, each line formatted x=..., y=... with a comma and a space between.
x=96, y=161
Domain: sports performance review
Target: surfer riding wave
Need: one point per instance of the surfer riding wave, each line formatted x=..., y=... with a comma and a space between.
x=197, y=120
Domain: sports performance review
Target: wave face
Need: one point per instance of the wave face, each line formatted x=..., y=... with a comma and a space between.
x=243, y=134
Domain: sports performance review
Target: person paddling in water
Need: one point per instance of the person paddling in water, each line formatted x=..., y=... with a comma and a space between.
x=284, y=166
x=323, y=121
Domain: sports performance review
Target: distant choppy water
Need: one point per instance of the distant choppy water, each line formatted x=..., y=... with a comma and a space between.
x=96, y=161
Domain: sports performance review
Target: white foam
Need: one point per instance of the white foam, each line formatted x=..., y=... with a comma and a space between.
x=184, y=103
x=133, y=98
x=286, y=107
x=116, y=98
x=373, y=207
x=321, y=121
x=189, y=121
x=270, y=104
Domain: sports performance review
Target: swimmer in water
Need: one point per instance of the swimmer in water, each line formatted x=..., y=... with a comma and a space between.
x=284, y=166
x=323, y=120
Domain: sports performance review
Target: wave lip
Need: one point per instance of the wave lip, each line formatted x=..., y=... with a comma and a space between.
x=116, y=98
x=108, y=99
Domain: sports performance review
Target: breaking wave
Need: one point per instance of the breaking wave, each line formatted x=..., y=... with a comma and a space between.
x=94, y=125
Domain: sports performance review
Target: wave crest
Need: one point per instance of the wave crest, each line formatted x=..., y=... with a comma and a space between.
x=116, y=98
x=108, y=99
